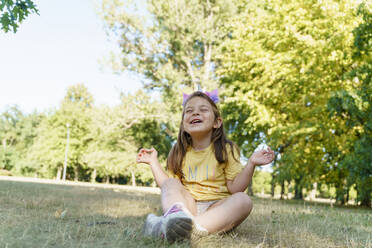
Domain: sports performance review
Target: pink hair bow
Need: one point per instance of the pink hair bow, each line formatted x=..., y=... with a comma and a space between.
x=213, y=95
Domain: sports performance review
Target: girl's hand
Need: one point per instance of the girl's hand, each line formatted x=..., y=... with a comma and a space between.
x=262, y=157
x=147, y=156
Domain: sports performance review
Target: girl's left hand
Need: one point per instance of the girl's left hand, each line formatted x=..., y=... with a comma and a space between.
x=262, y=157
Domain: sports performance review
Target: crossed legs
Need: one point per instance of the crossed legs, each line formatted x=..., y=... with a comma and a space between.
x=221, y=216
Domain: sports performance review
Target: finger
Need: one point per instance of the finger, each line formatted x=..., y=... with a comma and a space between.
x=147, y=150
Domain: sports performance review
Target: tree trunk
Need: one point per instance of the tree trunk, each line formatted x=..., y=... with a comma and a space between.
x=366, y=202
x=364, y=195
x=76, y=174
x=108, y=179
x=133, y=179
x=273, y=186
x=298, y=190
x=340, y=193
x=59, y=173
x=313, y=192
x=93, y=176
x=282, y=190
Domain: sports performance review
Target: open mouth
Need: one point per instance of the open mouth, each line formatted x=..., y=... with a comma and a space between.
x=195, y=121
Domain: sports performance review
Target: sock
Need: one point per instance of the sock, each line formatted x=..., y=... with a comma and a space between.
x=199, y=228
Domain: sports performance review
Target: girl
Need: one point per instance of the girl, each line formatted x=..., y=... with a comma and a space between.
x=203, y=189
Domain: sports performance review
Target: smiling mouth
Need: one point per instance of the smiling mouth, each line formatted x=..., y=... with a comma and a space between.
x=196, y=121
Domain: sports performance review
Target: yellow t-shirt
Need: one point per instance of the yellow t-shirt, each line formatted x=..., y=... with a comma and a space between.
x=204, y=178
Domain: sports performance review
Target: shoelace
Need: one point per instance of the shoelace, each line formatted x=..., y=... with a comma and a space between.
x=173, y=209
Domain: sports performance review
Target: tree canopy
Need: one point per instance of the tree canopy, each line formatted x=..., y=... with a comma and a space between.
x=13, y=12
x=295, y=75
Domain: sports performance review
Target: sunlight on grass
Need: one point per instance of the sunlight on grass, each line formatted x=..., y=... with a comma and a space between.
x=45, y=215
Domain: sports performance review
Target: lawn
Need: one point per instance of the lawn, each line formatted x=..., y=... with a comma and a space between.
x=73, y=215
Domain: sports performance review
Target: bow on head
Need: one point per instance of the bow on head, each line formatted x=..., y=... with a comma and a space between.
x=213, y=95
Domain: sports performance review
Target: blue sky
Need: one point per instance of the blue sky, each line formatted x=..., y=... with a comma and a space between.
x=58, y=48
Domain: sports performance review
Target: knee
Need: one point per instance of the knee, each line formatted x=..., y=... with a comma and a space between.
x=244, y=202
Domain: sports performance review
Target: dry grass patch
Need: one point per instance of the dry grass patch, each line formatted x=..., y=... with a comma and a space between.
x=47, y=215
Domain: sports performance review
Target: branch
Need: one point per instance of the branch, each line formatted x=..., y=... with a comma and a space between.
x=207, y=61
x=190, y=71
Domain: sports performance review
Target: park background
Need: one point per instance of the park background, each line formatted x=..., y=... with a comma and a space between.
x=292, y=75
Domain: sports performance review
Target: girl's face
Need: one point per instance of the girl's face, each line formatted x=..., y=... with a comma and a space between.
x=199, y=118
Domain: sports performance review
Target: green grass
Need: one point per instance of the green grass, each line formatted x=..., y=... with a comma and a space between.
x=30, y=216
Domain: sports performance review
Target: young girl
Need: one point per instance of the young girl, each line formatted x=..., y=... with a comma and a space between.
x=203, y=189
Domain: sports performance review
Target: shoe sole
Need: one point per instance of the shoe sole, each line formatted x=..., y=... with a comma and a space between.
x=178, y=229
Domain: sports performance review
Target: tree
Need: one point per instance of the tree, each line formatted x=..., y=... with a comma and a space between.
x=13, y=12
x=17, y=134
x=352, y=109
x=49, y=147
x=117, y=133
x=173, y=45
x=280, y=66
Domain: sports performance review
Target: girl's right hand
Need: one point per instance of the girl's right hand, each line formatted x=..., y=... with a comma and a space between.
x=147, y=156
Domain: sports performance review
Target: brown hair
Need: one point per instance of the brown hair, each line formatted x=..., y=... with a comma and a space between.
x=219, y=140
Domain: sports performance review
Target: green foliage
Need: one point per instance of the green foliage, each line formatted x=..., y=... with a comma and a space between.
x=155, y=135
x=117, y=133
x=352, y=108
x=281, y=64
x=103, y=141
x=169, y=42
x=261, y=182
x=13, y=12
x=17, y=134
x=295, y=75
x=173, y=45
x=50, y=144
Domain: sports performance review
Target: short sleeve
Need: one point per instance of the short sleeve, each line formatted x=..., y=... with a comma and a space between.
x=233, y=166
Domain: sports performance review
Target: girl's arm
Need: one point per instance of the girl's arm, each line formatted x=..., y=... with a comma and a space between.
x=150, y=157
x=244, y=178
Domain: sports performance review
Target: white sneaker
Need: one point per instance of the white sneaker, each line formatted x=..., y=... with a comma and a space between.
x=153, y=225
x=175, y=225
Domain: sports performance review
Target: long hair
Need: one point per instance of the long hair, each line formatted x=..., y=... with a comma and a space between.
x=219, y=140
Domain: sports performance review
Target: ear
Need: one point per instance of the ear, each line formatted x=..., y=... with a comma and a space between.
x=217, y=123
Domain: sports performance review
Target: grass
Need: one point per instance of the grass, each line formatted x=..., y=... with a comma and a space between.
x=48, y=215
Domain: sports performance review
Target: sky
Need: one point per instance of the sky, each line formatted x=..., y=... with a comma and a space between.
x=54, y=50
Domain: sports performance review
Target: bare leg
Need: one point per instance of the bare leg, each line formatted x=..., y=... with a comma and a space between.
x=172, y=191
x=226, y=214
